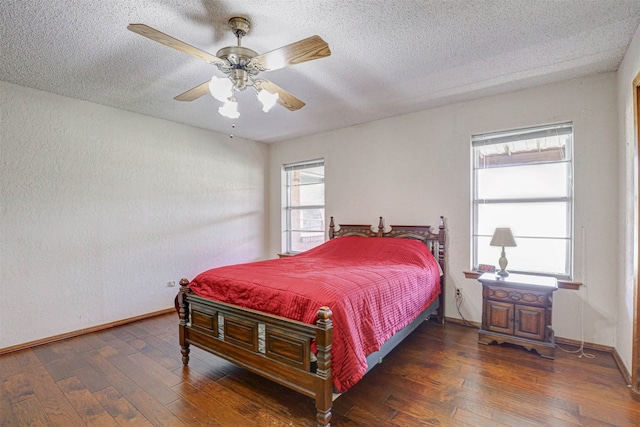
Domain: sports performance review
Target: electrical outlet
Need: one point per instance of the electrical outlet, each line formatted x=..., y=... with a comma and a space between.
x=171, y=284
x=458, y=293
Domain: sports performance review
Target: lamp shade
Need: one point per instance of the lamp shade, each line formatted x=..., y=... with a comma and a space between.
x=229, y=109
x=221, y=88
x=502, y=237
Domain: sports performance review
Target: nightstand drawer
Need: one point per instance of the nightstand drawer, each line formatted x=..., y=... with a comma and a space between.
x=511, y=295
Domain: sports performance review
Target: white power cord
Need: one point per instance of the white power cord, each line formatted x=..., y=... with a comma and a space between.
x=580, y=350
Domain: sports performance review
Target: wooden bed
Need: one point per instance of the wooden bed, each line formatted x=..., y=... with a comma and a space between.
x=278, y=348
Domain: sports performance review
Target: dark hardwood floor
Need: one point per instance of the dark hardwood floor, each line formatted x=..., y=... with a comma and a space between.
x=132, y=375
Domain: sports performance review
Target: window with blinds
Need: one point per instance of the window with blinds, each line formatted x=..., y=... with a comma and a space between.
x=523, y=179
x=304, y=219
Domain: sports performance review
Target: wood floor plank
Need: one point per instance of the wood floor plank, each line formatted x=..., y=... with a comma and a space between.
x=369, y=399
x=285, y=403
x=150, y=384
x=55, y=404
x=94, y=341
x=60, y=369
x=403, y=419
x=119, y=347
x=91, y=379
x=475, y=420
x=159, y=351
x=364, y=418
x=85, y=404
x=212, y=372
x=18, y=387
x=254, y=412
x=157, y=414
x=155, y=369
x=46, y=354
x=612, y=414
x=124, y=334
x=440, y=375
x=10, y=366
x=7, y=417
x=26, y=357
x=215, y=408
x=191, y=414
x=421, y=407
x=79, y=345
x=30, y=413
x=120, y=408
x=153, y=410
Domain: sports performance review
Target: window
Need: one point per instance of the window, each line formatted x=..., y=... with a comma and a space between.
x=522, y=179
x=304, y=206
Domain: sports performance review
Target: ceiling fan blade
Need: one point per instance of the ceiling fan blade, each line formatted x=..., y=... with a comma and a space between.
x=194, y=93
x=295, y=53
x=285, y=99
x=160, y=37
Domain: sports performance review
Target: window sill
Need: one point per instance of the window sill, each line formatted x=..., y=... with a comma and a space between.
x=562, y=283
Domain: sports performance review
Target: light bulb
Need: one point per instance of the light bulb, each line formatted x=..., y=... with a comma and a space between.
x=267, y=98
x=221, y=88
x=230, y=109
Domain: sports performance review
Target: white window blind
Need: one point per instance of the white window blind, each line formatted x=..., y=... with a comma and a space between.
x=523, y=179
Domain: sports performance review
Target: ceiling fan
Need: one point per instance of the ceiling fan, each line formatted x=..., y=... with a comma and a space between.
x=242, y=66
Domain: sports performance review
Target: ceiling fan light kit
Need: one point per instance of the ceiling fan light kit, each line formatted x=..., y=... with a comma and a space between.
x=241, y=66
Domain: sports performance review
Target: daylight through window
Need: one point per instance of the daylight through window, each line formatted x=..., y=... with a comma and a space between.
x=522, y=179
x=304, y=225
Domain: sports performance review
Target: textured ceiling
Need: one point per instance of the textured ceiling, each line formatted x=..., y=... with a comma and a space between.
x=388, y=57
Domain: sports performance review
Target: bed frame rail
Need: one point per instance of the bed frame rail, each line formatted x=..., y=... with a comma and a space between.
x=274, y=347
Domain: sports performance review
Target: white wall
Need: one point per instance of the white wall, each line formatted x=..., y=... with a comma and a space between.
x=413, y=168
x=100, y=208
x=628, y=202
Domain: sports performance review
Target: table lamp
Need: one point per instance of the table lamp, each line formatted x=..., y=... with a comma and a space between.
x=502, y=237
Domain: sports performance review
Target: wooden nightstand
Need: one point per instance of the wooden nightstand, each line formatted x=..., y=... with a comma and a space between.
x=517, y=310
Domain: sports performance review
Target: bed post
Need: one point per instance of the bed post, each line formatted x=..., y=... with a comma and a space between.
x=332, y=229
x=380, y=228
x=183, y=312
x=324, y=378
x=441, y=252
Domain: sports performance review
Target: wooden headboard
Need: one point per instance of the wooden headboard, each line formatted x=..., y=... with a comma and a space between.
x=435, y=242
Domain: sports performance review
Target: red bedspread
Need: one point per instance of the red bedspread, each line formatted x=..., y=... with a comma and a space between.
x=374, y=287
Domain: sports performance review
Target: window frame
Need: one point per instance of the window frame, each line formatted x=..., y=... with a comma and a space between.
x=524, y=134
x=287, y=201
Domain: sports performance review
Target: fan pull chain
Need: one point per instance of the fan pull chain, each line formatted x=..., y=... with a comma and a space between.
x=233, y=126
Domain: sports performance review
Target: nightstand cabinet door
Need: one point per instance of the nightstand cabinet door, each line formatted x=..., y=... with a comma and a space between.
x=499, y=317
x=530, y=322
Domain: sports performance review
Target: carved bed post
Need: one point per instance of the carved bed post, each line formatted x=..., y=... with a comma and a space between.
x=332, y=229
x=183, y=312
x=380, y=228
x=441, y=260
x=324, y=378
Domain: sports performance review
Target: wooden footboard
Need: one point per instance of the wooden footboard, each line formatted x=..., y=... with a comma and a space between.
x=274, y=347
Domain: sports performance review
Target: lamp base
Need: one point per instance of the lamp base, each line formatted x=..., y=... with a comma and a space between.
x=502, y=262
